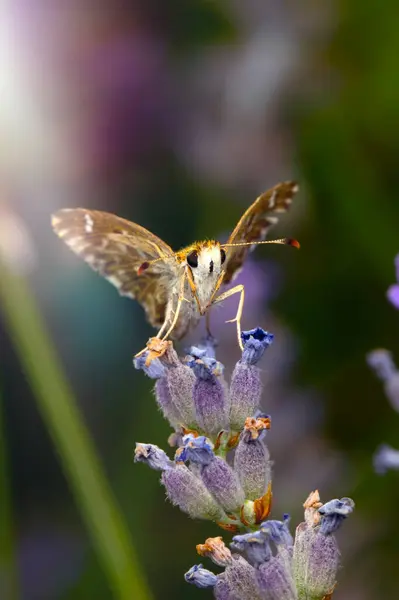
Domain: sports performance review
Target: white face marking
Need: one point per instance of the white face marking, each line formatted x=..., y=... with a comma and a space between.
x=88, y=223
x=207, y=272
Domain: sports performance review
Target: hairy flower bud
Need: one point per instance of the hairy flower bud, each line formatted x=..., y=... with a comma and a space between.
x=275, y=580
x=238, y=581
x=209, y=394
x=218, y=477
x=189, y=493
x=246, y=385
x=316, y=555
x=252, y=459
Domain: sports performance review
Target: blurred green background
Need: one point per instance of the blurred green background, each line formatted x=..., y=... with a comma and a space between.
x=177, y=115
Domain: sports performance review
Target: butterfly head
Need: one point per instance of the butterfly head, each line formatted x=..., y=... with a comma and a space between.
x=205, y=260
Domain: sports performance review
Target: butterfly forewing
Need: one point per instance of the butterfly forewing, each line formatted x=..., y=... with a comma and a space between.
x=115, y=248
x=256, y=223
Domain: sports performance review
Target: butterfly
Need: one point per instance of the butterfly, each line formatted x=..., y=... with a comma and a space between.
x=175, y=288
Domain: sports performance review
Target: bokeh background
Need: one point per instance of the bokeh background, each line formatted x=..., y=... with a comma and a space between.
x=177, y=115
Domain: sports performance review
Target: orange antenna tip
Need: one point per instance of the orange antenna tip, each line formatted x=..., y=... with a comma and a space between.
x=292, y=242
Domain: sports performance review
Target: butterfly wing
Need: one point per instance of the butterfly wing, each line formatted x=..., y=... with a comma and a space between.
x=255, y=224
x=115, y=248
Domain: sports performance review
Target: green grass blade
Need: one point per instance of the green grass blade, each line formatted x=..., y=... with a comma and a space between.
x=58, y=409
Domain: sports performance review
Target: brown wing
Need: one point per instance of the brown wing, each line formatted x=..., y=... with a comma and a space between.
x=256, y=222
x=116, y=248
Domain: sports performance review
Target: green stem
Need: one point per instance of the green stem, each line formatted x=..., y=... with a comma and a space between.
x=8, y=566
x=61, y=415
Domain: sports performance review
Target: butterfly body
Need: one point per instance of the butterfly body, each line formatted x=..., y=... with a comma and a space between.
x=174, y=288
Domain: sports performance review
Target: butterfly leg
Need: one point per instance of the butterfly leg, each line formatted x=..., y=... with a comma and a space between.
x=180, y=301
x=238, y=289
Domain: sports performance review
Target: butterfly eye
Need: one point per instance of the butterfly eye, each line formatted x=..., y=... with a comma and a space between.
x=192, y=259
x=222, y=255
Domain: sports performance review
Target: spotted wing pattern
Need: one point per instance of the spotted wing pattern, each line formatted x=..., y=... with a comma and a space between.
x=255, y=224
x=116, y=248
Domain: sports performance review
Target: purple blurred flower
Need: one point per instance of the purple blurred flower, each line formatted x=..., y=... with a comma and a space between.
x=393, y=290
x=386, y=458
x=382, y=363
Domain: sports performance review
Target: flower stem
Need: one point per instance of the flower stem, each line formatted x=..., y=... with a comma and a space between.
x=61, y=415
x=8, y=566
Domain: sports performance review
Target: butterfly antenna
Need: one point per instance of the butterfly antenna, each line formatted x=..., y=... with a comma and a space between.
x=284, y=241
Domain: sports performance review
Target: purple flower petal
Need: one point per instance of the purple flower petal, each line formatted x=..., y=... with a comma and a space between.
x=393, y=295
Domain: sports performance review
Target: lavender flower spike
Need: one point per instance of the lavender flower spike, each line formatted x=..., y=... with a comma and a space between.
x=246, y=385
x=219, y=478
x=200, y=577
x=209, y=394
x=209, y=421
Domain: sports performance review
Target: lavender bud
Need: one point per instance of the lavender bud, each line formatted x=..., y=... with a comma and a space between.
x=153, y=456
x=246, y=385
x=252, y=459
x=189, y=493
x=334, y=513
x=200, y=577
x=224, y=485
x=386, y=458
x=254, y=545
x=275, y=580
x=216, y=550
x=315, y=562
x=210, y=398
x=174, y=386
x=222, y=591
x=238, y=581
x=181, y=382
x=316, y=555
x=165, y=402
